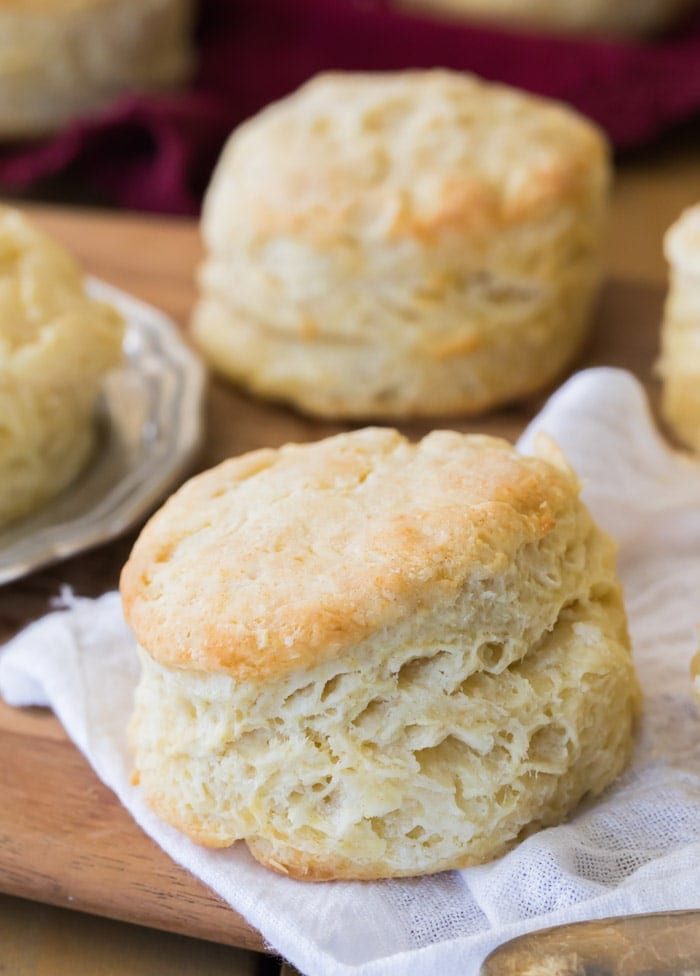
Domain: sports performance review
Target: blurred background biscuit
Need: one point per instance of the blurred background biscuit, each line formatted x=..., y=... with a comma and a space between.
x=56, y=344
x=400, y=658
x=416, y=243
x=679, y=365
x=623, y=17
x=60, y=59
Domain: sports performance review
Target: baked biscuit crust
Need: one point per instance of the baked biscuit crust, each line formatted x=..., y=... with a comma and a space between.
x=374, y=529
x=414, y=243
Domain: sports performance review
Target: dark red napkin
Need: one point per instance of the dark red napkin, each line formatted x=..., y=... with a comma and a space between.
x=156, y=152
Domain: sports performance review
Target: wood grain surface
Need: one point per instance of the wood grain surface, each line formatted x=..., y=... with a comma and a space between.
x=64, y=839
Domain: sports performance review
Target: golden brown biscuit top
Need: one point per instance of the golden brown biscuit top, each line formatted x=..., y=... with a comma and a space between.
x=280, y=559
x=396, y=155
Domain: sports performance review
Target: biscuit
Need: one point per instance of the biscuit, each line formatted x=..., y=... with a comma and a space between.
x=56, y=343
x=418, y=243
x=60, y=59
x=623, y=17
x=371, y=658
x=679, y=365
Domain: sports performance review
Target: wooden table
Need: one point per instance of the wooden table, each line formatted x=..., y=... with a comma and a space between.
x=64, y=839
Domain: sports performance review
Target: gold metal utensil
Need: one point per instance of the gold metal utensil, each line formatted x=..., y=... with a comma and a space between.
x=660, y=944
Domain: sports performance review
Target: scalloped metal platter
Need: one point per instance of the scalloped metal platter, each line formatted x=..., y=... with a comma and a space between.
x=150, y=423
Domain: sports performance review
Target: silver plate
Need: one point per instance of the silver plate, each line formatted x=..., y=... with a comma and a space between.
x=151, y=427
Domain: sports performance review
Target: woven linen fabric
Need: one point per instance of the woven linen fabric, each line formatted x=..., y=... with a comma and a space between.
x=634, y=849
x=156, y=151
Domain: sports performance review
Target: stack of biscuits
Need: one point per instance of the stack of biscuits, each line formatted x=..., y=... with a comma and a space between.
x=401, y=658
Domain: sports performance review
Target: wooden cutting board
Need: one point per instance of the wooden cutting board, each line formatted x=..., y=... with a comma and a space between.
x=64, y=838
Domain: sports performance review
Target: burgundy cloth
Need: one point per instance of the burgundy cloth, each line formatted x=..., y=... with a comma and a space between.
x=156, y=152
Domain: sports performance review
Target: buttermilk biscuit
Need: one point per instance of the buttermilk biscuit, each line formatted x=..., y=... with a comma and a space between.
x=587, y=16
x=56, y=343
x=679, y=365
x=370, y=658
x=397, y=244
x=64, y=58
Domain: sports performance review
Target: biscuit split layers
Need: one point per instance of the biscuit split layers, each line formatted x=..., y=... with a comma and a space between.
x=56, y=344
x=60, y=59
x=679, y=365
x=369, y=658
x=417, y=243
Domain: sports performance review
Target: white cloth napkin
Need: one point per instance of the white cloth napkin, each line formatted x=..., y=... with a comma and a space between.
x=635, y=849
